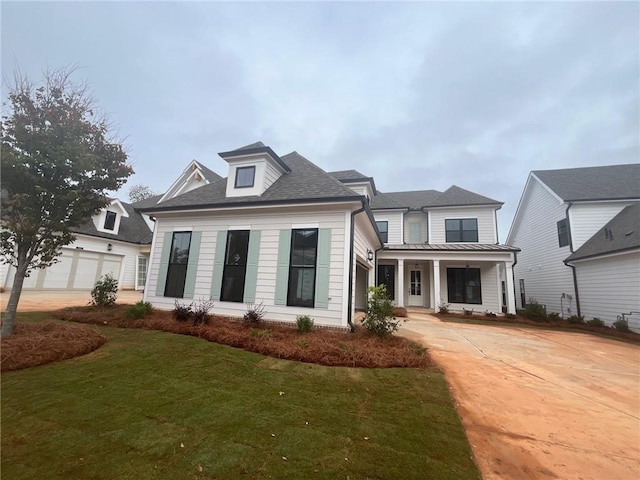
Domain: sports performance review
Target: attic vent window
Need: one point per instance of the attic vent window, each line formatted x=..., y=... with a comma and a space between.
x=110, y=221
x=245, y=177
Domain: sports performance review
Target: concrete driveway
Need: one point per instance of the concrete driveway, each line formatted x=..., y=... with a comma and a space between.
x=539, y=404
x=43, y=300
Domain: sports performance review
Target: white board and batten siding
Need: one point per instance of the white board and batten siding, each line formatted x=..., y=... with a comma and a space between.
x=394, y=225
x=270, y=226
x=586, y=218
x=484, y=215
x=610, y=286
x=540, y=262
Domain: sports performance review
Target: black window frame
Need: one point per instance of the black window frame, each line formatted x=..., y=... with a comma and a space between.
x=383, y=233
x=563, y=232
x=462, y=274
x=387, y=277
x=463, y=235
x=177, y=268
x=296, y=268
x=110, y=219
x=252, y=168
x=235, y=270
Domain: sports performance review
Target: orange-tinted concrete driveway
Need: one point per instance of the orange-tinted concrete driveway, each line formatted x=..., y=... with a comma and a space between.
x=540, y=404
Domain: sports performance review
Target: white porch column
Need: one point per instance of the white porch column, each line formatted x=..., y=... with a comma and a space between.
x=436, y=285
x=400, y=283
x=511, y=296
x=371, y=281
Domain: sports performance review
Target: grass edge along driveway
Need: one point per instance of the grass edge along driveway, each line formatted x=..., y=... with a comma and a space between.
x=156, y=405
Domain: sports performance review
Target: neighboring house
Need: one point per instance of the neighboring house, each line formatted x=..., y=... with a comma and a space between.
x=564, y=261
x=116, y=240
x=283, y=232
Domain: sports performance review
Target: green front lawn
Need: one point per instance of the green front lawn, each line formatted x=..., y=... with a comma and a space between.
x=157, y=405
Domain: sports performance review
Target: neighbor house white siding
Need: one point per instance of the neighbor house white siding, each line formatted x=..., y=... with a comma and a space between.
x=394, y=221
x=484, y=215
x=589, y=217
x=270, y=222
x=610, y=286
x=540, y=263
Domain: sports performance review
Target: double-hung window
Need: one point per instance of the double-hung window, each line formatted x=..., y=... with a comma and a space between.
x=110, y=220
x=235, y=266
x=463, y=285
x=383, y=228
x=302, y=268
x=461, y=230
x=563, y=233
x=177, y=268
x=245, y=177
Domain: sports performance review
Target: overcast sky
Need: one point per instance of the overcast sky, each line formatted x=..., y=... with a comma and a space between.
x=417, y=95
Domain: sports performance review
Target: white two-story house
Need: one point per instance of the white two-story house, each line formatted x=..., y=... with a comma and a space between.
x=569, y=261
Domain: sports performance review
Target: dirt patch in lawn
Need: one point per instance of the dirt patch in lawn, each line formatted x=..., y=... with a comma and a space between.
x=321, y=346
x=35, y=344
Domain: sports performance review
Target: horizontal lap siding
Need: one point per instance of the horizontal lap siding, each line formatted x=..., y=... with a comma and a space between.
x=588, y=218
x=489, y=286
x=540, y=263
x=270, y=225
x=609, y=287
x=394, y=220
x=485, y=216
x=271, y=174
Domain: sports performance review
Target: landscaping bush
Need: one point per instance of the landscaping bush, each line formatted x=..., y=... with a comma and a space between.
x=510, y=316
x=181, y=312
x=380, y=320
x=595, y=322
x=139, y=310
x=490, y=314
x=105, y=291
x=443, y=308
x=554, y=317
x=576, y=319
x=304, y=323
x=621, y=325
x=535, y=311
x=467, y=312
x=255, y=313
x=200, y=315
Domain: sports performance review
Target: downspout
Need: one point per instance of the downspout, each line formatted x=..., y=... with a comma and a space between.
x=573, y=268
x=351, y=251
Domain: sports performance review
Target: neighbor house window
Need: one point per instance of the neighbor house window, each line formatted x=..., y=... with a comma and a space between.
x=463, y=285
x=563, y=233
x=110, y=221
x=302, y=268
x=245, y=177
x=177, y=270
x=383, y=228
x=235, y=266
x=461, y=229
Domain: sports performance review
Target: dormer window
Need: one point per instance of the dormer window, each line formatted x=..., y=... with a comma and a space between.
x=110, y=220
x=245, y=177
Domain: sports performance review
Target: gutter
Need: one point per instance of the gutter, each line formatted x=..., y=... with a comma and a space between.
x=572, y=267
x=351, y=252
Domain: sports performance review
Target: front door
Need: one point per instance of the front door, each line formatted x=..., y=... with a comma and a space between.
x=415, y=288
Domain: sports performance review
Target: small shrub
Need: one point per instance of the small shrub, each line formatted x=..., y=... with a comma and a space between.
x=595, y=322
x=418, y=349
x=255, y=313
x=621, y=325
x=105, y=291
x=467, y=312
x=200, y=315
x=182, y=312
x=139, y=310
x=380, y=320
x=262, y=334
x=443, y=308
x=304, y=323
x=576, y=319
x=510, y=316
x=302, y=344
x=490, y=314
x=535, y=311
x=554, y=317
x=400, y=312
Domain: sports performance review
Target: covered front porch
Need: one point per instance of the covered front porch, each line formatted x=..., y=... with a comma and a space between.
x=471, y=278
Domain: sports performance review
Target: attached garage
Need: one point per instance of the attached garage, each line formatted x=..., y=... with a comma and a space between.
x=77, y=269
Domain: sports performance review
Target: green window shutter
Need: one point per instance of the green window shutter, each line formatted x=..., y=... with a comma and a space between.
x=192, y=265
x=282, y=272
x=164, y=264
x=414, y=232
x=251, y=275
x=322, y=268
x=218, y=265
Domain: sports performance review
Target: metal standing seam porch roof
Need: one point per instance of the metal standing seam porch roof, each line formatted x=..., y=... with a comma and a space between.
x=452, y=247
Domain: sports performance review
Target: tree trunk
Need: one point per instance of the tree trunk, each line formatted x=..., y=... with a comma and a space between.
x=8, y=321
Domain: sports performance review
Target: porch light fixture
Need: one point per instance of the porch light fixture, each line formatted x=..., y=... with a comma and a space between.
x=109, y=247
x=370, y=255
x=417, y=266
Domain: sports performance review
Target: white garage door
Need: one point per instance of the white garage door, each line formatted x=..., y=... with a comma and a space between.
x=77, y=269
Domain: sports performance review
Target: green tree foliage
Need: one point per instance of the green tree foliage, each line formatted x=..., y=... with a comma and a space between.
x=58, y=162
x=380, y=320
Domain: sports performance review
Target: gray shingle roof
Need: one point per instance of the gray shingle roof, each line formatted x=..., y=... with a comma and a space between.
x=305, y=182
x=133, y=229
x=593, y=183
x=348, y=175
x=251, y=146
x=621, y=233
x=382, y=201
x=147, y=202
x=416, y=200
x=208, y=173
x=257, y=147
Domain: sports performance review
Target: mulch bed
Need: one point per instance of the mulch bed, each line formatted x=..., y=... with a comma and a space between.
x=551, y=324
x=35, y=344
x=321, y=346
